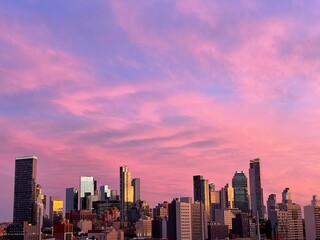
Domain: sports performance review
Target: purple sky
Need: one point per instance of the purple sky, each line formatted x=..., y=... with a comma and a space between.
x=170, y=88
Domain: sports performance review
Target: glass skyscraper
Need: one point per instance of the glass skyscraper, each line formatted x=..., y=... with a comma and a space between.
x=71, y=199
x=240, y=187
x=25, y=191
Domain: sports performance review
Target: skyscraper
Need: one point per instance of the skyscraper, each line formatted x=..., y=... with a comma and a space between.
x=179, y=220
x=286, y=196
x=227, y=197
x=271, y=204
x=126, y=191
x=240, y=187
x=71, y=199
x=256, y=191
x=201, y=192
x=136, y=189
x=28, y=207
x=56, y=210
x=25, y=191
x=199, y=221
x=86, y=189
x=312, y=219
x=105, y=192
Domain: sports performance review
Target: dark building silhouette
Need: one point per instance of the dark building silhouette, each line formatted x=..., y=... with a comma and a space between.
x=25, y=210
x=240, y=225
x=256, y=191
x=71, y=199
x=217, y=231
x=240, y=188
x=25, y=190
x=172, y=220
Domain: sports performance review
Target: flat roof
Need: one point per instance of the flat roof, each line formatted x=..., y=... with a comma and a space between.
x=26, y=157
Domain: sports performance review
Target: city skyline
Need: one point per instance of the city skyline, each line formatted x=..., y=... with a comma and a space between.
x=172, y=89
x=197, y=182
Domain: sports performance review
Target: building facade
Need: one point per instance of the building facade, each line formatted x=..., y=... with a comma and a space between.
x=201, y=192
x=240, y=188
x=25, y=190
x=256, y=191
x=126, y=192
x=87, y=187
x=71, y=199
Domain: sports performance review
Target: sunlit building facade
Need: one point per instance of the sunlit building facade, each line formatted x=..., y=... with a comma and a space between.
x=86, y=189
x=56, y=210
x=126, y=191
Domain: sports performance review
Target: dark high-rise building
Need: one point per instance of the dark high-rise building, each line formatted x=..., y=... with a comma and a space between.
x=95, y=185
x=240, y=225
x=136, y=189
x=240, y=188
x=256, y=191
x=25, y=190
x=271, y=204
x=201, y=192
x=71, y=199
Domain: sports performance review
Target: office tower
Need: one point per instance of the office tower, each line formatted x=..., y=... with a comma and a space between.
x=312, y=219
x=105, y=193
x=159, y=228
x=199, y=221
x=225, y=216
x=201, y=192
x=126, y=192
x=256, y=191
x=240, y=188
x=144, y=227
x=44, y=202
x=179, y=220
x=56, y=210
x=86, y=189
x=214, y=199
x=25, y=191
x=286, y=196
x=114, y=195
x=71, y=199
x=286, y=220
x=227, y=197
x=315, y=201
x=161, y=210
x=217, y=231
x=241, y=225
x=136, y=189
x=39, y=209
x=271, y=204
x=90, y=200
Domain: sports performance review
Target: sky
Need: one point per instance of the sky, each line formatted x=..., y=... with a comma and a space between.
x=169, y=88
